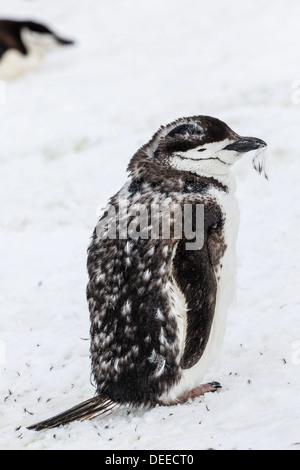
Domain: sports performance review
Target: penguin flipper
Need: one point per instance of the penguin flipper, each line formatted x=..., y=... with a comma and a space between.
x=88, y=409
x=195, y=277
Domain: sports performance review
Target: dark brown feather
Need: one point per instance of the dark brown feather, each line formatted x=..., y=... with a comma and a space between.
x=86, y=410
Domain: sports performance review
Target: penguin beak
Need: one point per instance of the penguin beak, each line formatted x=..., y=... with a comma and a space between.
x=246, y=144
x=64, y=42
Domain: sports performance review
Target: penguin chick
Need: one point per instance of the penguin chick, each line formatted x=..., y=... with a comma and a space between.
x=23, y=45
x=158, y=304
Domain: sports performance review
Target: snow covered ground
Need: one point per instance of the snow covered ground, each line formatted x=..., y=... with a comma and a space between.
x=67, y=133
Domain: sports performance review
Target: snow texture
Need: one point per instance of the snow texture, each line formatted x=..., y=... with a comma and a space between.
x=67, y=133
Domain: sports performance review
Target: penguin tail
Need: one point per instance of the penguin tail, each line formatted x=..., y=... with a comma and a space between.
x=86, y=410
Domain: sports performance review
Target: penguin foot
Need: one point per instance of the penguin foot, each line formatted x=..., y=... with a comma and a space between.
x=199, y=391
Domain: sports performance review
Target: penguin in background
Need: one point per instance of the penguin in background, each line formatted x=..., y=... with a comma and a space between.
x=158, y=307
x=23, y=45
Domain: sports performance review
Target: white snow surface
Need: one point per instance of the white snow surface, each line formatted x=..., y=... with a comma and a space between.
x=67, y=132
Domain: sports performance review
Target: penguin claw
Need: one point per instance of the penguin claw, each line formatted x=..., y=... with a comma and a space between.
x=200, y=390
x=215, y=385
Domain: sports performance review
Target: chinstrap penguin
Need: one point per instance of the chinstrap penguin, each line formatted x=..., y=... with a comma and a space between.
x=23, y=45
x=157, y=310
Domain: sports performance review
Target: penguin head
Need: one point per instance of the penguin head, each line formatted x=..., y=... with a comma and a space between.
x=204, y=145
x=39, y=36
x=201, y=144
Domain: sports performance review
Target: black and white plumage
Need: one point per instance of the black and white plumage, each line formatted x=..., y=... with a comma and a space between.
x=23, y=45
x=157, y=309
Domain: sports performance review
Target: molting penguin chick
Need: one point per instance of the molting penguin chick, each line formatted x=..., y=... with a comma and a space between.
x=23, y=45
x=157, y=304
